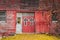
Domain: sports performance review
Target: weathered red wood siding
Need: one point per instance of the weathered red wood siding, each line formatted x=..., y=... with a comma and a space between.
x=11, y=20
x=42, y=21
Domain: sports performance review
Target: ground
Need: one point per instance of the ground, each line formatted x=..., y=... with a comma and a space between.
x=32, y=37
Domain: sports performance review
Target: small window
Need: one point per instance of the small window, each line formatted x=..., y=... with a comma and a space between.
x=19, y=20
x=2, y=16
x=54, y=15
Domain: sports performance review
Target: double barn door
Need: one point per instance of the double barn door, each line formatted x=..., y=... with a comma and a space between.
x=25, y=23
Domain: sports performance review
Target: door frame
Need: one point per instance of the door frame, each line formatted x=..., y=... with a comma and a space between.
x=19, y=31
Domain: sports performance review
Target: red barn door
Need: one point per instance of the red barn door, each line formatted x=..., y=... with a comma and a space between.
x=42, y=20
x=28, y=22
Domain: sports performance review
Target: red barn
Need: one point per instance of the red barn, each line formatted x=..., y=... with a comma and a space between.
x=26, y=16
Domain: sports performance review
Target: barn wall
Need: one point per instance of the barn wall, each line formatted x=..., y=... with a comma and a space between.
x=9, y=26
x=42, y=21
x=11, y=6
x=11, y=20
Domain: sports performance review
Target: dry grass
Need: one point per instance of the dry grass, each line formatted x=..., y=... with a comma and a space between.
x=31, y=37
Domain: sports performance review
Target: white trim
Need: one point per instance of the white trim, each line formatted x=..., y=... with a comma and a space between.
x=19, y=26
